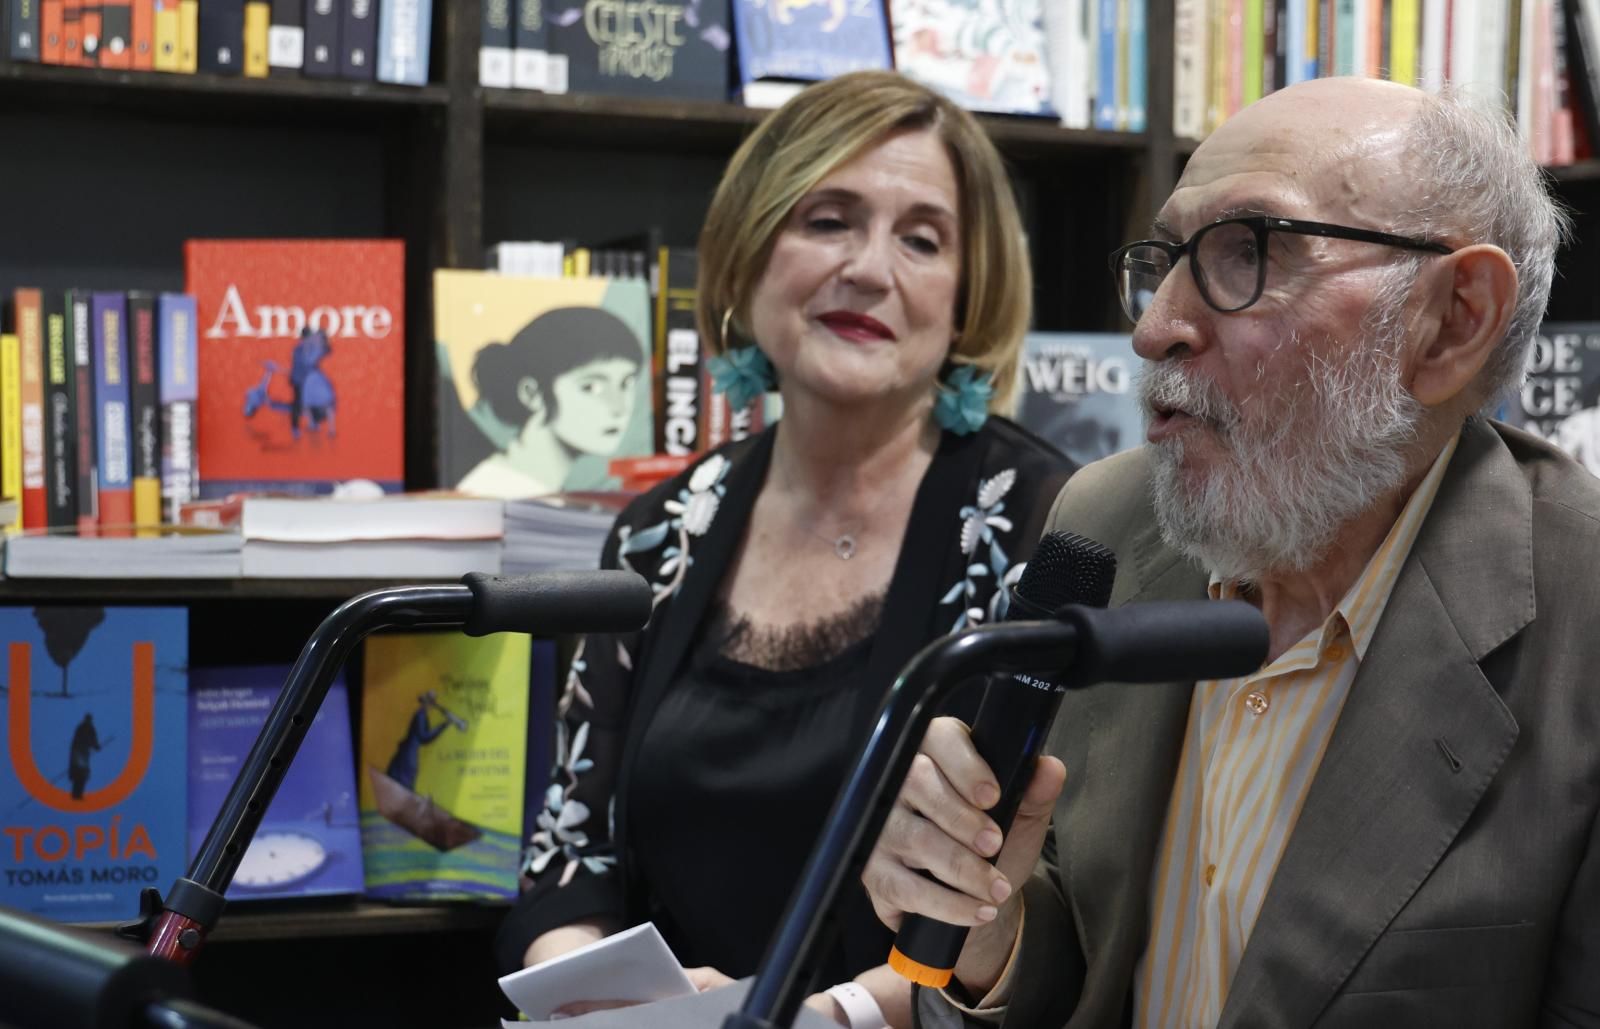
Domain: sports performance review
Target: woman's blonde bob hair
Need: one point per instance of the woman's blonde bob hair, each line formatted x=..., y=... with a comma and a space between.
x=827, y=125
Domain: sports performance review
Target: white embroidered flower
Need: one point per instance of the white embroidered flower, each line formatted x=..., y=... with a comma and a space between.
x=697, y=514
x=992, y=491
x=972, y=532
x=707, y=474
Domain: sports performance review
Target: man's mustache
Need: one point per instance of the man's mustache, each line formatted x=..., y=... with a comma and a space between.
x=1166, y=387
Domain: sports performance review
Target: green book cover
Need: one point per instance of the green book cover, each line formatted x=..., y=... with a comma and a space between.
x=443, y=759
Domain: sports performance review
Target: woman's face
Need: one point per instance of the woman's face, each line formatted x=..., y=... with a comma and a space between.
x=594, y=403
x=857, y=302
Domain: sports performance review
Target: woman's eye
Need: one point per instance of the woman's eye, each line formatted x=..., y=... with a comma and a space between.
x=923, y=245
x=826, y=223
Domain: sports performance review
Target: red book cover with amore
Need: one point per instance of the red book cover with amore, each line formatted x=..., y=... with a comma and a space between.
x=302, y=352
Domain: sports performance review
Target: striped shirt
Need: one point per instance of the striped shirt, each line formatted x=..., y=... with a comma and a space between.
x=1251, y=749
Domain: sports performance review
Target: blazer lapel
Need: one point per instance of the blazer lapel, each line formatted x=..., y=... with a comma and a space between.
x=1420, y=738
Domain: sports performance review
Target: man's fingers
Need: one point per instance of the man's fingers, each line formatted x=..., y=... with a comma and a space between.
x=949, y=743
x=1032, y=821
x=900, y=890
x=931, y=794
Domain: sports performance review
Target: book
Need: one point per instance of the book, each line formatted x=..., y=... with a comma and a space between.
x=1077, y=392
x=420, y=559
x=115, y=45
x=404, y=33
x=221, y=42
x=1560, y=398
x=92, y=796
x=779, y=40
x=10, y=434
x=31, y=352
x=52, y=39
x=188, y=36
x=257, y=38
x=309, y=841
x=566, y=366
x=177, y=356
x=986, y=57
x=632, y=965
x=358, y=39
x=72, y=33
x=322, y=39
x=211, y=555
x=679, y=373
x=80, y=328
x=113, y=443
x=144, y=413
x=416, y=516
x=286, y=38
x=22, y=30
x=495, y=52
x=142, y=35
x=530, y=48
x=302, y=355
x=444, y=723
x=164, y=27
x=61, y=418
x=680, y=49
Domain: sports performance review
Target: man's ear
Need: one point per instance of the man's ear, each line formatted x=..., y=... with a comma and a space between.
x=1479, y=295
x=529, y=396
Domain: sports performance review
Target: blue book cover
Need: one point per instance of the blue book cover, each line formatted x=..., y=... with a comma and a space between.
x=109, y=311
x=809, y=40
x=92, y=794
x=1078, y=392
x=405, y=32
x=309, y=843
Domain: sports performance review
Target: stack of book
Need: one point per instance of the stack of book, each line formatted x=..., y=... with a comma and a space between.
x=426, y=536
x=563, y=532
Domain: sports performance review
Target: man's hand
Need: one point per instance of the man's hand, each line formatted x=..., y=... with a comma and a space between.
x=938, y=825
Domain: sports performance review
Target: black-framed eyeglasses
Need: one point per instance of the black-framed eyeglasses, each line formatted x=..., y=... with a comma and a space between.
x=1227, y=259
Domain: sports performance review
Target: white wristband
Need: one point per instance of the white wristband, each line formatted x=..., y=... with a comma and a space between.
x=859, y=1008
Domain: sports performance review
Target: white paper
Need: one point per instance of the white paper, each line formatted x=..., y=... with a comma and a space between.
x=633, y=965
x=701, y=1011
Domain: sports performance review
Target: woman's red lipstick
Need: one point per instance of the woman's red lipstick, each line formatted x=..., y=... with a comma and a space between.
x=853, y=325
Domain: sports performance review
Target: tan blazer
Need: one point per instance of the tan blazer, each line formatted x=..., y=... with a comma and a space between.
x=1445, y=869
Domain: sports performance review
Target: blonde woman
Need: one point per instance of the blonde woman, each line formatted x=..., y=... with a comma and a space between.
x=864, y=257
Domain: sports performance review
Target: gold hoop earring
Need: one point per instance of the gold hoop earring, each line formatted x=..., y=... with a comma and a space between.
x=727, y=316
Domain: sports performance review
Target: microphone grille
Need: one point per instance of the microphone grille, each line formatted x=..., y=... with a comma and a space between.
x=1068, y=569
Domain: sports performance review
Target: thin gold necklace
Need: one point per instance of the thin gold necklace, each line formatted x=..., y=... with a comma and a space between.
x=845, y=544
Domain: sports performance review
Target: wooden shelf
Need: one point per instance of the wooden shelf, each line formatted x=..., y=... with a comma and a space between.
x=101, y=591
x=1583, y=171
x=342, y=917
x=643, y=123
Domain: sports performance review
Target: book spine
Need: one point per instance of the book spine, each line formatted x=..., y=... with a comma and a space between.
x=188, y=36
x=494, y=53
x=11, y=430
x=530, y=63
x=404, y=33
x=115, y=37
x=1137, y=45
x=61, y=452
x=257, y=27
x=144, y=395
x=679, y=397
x=52, y=41
x=80, y=323
x=286, y=38
x=30, y=340
x=23, y=31
x=322, y=39
x=358, y=36
x=72, y=32
x=111, y=409
x=177, y=363
x=164, y=23
x=222, y=37
x=142, y=35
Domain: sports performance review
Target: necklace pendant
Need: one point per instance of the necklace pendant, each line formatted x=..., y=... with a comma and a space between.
x=845, y=547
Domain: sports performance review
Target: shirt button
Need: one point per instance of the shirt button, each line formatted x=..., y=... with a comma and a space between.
x=1256, y=702
x=1210, y=874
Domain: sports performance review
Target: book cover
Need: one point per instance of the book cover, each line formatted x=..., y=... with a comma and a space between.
x=809, y=41
x=60, y=418
x=142, y=35
x=257, y=31
x=222, y=37
x=530, y=46
x=444, y=723
x=322, y=39
x=309, y=841
x=22, y=35
x=176, y=360
x=301, y=349
x=1077, y=392
x=541, y=381
x=31, y=351
x=405, y=30
x=115, y=46
x=112, y=423
x=678, y=372
x=1560, y=399
x=11, y=430
x=494, y=52
x=286, y=38
x=985, y=57
x=92, y=792
x=680, y=49
x=80, y=327
x=52, y=40
x=188, y=36
x=72, y=32
x=358, y=38
x=144, y=413
x=164, y=26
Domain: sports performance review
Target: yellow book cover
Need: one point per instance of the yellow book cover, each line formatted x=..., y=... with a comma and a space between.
x=1403, y=42
x=11, y=430
x=257, y=20
x=188, y=36
x=166, y=29
x=444, y=731
x=1254, y=50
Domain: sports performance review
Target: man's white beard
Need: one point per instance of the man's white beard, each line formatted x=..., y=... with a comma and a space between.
x=1291, y=470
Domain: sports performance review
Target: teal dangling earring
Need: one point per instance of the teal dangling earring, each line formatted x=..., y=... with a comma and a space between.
x=961, y=404
x=743, y=374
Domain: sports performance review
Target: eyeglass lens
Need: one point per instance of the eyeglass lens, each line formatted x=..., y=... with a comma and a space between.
x=1227, y=265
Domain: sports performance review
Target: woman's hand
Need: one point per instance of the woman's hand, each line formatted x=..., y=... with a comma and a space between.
x=704, y=978
x=558, y=941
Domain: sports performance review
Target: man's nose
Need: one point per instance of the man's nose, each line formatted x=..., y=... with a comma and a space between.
x=1174, y=322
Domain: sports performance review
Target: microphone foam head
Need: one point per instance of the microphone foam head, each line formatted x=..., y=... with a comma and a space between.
x=1068, y=569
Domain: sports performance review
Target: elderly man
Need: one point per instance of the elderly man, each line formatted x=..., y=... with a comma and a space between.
x=1393, y=822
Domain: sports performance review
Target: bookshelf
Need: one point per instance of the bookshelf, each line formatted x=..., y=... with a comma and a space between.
x=105, y=173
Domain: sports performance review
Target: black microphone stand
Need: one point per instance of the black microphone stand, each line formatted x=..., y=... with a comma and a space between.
x=788, y=969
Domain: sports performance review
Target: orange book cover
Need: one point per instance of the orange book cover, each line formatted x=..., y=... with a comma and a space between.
x=72, y=33
x=144, y=34
x=52, y=29
x=302, y=355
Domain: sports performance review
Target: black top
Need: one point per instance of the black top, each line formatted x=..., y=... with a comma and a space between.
x=687, y=789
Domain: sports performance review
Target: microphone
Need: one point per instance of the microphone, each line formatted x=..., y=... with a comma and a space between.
x=1014, y=720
